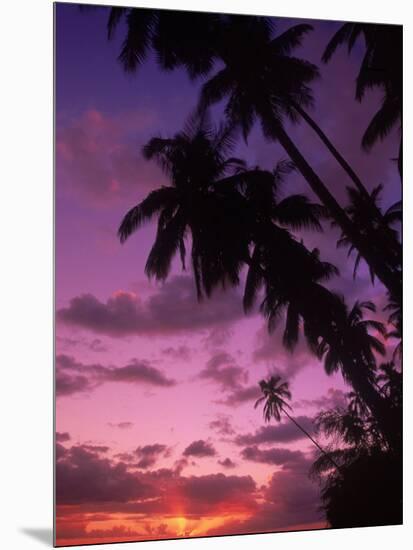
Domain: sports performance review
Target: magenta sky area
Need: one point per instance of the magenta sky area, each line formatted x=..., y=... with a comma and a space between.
x=157, y=433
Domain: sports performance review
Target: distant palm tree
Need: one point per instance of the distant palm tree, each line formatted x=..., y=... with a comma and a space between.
x=261, y=81
x=381, y=67
x=275, y=395
x=335, y=334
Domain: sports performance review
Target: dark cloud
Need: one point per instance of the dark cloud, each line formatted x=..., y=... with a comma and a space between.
x=125, y=457
x=60, y=451
x=180, y=352
x=83, y=476
x=181, y=464
x=277, y=456
x=149, y=454
x=222, y=425
x=139, y=372
x=95, y=448
x=69, y=384
x=75, y=377
x=217, y=337
x=214, y=489
x=227, y=463
x=269, y=348
x=222, y=370
x=241, y=395
x=121, y=425
x=295, y=496
x=61, y=437
x=199, y=448
x=95, y=345
x=289, y=501
x=283, y=433
x=333, y=398
x=172, y=309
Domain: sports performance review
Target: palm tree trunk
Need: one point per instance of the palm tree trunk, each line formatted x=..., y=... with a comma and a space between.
x=311, y=439
x=336, y=154
x=389, y=279
x=394, y=246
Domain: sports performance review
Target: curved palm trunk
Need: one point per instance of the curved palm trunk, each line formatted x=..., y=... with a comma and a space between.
x=311, y=439
x=336, y=154
x=389, y=279
x=394, y=246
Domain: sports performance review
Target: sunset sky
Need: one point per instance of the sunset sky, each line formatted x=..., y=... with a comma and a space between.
x=157, y=435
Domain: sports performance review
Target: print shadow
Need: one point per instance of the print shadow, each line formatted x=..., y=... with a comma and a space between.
x=44, y=535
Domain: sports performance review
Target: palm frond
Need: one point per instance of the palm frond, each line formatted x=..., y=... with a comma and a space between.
x=165, y=197
x=382, y=122
x=115, y=15
x=286, y=42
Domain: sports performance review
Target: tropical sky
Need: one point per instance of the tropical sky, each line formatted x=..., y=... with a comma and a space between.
x=157, y=435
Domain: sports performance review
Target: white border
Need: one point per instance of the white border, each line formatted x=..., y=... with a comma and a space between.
x=27, y=270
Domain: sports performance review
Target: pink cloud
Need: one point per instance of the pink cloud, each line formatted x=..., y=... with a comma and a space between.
x=99, y=155
x=75, y=377
x=172, y=309
x=200, y=448
x=283, y=432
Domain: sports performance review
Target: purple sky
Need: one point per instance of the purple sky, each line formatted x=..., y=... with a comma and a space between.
x=156, y=392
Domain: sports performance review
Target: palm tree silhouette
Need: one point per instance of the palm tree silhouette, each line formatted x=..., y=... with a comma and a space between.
x=353, y=497
x=363, y=209
x=381, y=67
x=196, y=40
x=222, y=205
x=197, y=202
x=178, y=38
x=275, y=395
x=390, y=380
x=261, y=81
x=349, y=347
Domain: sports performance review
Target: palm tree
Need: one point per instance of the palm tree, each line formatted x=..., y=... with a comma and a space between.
x=275, y=395
x=354, y=498
x=381, y=232
x=351, y=343
x=262, y=82
x=197, y=203
x=219, y=203
x=177, y=38
x=350, y=348
x=196, y=41
x=381, y=67
x=335, y=334
x=390, y=380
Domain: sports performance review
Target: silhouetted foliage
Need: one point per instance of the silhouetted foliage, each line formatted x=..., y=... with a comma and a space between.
x=352, y=496
x=275, y=395
x=381, y=67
